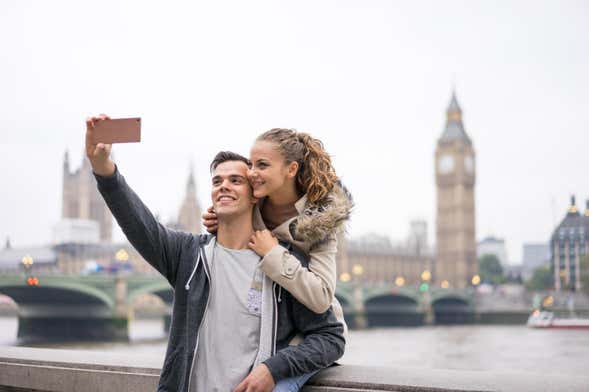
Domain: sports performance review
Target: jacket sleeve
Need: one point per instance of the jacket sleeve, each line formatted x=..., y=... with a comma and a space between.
x=323, y=344
x=159, y=245
x=313, y=287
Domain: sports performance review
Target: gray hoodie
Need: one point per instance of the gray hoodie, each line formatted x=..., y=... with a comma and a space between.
x=181, y=258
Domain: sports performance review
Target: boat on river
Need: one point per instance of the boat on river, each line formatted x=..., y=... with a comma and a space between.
x=546, y=319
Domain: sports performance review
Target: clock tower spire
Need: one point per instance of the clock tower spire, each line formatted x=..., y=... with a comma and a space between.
x=456, y=261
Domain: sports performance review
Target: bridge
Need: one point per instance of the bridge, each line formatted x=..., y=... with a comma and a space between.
x=66, y=307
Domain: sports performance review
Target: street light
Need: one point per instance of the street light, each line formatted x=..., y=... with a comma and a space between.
x=426, y=275
x=400, y=281
x=27, y=261
x=445, y=284
x=345, y=277
x=122, y=255
x=476, y=280
x=357, y=269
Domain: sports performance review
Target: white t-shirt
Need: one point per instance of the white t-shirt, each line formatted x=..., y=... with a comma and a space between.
x=229, y=335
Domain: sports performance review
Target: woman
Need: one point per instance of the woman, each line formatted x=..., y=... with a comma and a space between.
x=302, y=202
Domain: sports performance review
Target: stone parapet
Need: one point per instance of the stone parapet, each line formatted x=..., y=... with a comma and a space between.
x=31, y=369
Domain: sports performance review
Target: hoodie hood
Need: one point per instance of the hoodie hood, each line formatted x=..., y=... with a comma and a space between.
x=317, y=221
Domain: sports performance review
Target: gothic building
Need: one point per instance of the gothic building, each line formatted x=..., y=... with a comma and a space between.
x=189, y=216
x=456, y=260
x=569, y=244
x=81, y=199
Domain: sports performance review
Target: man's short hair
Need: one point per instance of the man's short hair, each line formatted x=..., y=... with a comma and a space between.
x=225, y=156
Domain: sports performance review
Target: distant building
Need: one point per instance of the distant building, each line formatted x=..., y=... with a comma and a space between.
x=80, y=231
x=81, y=199
x=569, y=243
x=44, y=258
x=535, y=255
x=189, y=216
x=493, y=246
x=418, y=236
x=375, y=259
x=83, y=237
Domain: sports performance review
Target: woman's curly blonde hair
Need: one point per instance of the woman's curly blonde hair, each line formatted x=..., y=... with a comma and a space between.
x=316, y=176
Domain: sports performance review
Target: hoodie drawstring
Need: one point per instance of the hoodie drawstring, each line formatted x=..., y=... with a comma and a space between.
x=279, y=294
x=187, y=286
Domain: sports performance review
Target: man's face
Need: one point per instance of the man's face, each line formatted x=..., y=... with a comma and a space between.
x=231, y=192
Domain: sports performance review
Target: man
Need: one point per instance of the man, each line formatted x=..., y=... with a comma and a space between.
x=231, y=324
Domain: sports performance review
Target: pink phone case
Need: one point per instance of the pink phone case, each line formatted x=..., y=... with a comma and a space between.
x=120, y=130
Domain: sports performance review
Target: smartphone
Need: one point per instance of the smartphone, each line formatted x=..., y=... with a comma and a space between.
x=118, y=130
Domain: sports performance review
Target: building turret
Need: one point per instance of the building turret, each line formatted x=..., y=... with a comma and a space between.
x=190, y=213
x=66, y=162
x=454, y=129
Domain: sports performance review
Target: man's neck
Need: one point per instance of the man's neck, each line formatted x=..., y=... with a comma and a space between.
x=235, y=232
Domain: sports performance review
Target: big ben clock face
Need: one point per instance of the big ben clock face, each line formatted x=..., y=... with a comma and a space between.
x=469, y=164
x=446, y=164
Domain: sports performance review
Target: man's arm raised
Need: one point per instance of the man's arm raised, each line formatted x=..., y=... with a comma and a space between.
x=160, y=246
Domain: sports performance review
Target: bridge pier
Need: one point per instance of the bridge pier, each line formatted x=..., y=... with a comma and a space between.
x=51, y=328
x=360, y=321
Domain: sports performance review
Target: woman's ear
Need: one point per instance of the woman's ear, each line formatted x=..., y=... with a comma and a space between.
x=293, y=168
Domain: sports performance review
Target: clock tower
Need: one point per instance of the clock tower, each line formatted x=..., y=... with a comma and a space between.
x=456, y=260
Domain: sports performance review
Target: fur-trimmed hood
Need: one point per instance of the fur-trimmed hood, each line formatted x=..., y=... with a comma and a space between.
x=316, y=222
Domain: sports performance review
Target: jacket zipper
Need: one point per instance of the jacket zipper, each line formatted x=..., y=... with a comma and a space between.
x=274, y=318
x=203, y=315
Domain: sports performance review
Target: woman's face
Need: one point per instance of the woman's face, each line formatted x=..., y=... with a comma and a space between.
x=269, y=172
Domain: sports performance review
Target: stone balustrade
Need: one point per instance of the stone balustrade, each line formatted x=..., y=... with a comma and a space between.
x=32, y=369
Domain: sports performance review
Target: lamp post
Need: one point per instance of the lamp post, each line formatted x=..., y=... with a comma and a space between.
x=27, y=262
x=429, y=318
x=425, y=278
x=360, y=317
x=122, y=256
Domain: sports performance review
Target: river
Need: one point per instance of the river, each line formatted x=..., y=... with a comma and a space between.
x=469, y=347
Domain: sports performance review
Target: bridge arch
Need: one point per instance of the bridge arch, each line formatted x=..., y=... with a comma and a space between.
x=161, y=288
x=452, y=309
x=392, y=310
x=65, y=293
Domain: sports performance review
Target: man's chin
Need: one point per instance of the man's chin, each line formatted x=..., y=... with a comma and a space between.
x=226, y=212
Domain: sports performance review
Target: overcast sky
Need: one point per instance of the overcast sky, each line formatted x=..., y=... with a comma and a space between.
x=371, y=79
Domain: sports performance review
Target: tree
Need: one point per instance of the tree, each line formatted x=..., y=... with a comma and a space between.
x=541, y=280
x=490, y=269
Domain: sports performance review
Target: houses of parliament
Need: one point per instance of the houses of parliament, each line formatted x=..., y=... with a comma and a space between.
x=85, y=231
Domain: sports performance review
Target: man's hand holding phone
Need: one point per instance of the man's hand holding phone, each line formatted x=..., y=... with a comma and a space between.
x=98, y=153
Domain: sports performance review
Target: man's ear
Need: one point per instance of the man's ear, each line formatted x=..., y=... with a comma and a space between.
x=292, y=169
